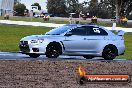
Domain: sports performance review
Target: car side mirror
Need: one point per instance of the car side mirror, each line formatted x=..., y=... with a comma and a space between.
x=68, y=34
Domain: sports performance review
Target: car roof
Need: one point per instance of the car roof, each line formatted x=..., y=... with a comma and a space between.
x=82, y=25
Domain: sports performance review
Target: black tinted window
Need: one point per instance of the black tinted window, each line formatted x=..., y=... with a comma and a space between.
x=96, y=31
x=59, y=30
x=103, y=32
x=79, y=31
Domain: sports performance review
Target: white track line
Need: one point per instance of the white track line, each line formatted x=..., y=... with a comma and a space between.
x=52, y=24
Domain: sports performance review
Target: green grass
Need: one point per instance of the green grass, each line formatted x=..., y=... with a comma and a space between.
x=10, y=36
x=128, y=44
x=28, y=19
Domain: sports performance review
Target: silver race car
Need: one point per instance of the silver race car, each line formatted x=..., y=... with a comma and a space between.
x=75, y=40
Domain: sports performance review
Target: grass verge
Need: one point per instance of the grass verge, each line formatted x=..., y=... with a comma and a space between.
x=28, y=19
x=10, y=35
x=128, y=44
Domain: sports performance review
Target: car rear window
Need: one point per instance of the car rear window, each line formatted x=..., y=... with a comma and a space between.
x=96, y=31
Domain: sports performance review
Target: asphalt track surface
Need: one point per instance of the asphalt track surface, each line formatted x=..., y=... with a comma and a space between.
x=19, y=56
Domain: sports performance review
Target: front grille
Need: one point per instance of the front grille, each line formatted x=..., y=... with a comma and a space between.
x=24, y=47
x=24, y=42
x=35, y=49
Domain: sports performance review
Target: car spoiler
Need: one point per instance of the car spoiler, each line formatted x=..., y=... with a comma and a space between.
x=118, y=32
x=121, y=33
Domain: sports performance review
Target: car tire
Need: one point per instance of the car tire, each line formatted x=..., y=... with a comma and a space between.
x=109, y=52
x=34, y=55
x=53, y=51
x=88, y=57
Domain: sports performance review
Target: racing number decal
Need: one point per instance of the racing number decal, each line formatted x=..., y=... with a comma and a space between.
x=96, y=30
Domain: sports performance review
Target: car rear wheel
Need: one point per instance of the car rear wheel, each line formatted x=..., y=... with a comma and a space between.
x=53, y=51
x=88, y=57
x=109, y=52
x=34, y=55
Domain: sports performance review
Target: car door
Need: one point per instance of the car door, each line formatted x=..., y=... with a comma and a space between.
x=76, y=42
x=95, y=39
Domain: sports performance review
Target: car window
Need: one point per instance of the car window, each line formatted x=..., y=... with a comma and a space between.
x=103, y=32
x=79, y=31
x=59, y=30
x=96, y=31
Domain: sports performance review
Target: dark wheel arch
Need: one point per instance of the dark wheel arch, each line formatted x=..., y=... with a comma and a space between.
x=34, y=55
x=112, y=49
x=88, y=56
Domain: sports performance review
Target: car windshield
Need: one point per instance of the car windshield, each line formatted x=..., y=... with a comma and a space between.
x=59, y=30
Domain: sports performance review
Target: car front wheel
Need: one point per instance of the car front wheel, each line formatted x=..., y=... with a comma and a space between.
x=53, y=51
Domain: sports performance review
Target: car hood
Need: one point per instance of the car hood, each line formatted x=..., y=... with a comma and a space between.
x=35, y=37
x=32, y=37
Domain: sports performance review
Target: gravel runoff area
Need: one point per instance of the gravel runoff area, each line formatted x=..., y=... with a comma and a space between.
x=58, y=73
x=52, y=24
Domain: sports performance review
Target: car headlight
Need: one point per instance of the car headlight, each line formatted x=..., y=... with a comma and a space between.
x=34, y=41
x=41, y=40
x=37, y=41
